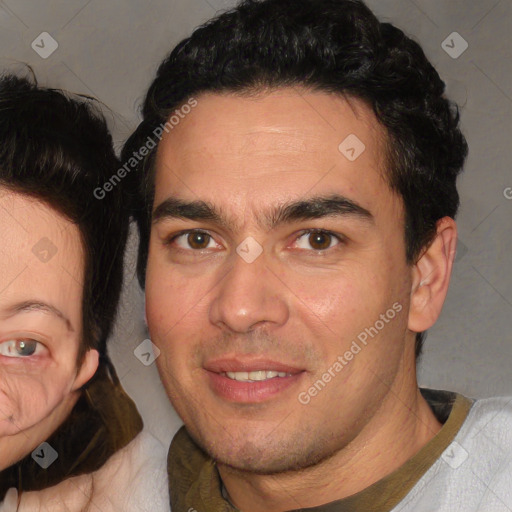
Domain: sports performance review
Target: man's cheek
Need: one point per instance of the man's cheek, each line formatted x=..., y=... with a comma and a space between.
x=161, y=309
x=173, y=358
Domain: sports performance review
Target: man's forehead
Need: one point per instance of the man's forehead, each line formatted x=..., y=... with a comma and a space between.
x=284, y=119
x=270, y=149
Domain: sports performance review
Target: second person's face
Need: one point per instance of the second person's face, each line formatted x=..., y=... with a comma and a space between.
x=41, y=281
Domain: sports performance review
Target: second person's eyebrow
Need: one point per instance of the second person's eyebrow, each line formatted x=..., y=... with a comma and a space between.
x=304, y=209
x=36, y=305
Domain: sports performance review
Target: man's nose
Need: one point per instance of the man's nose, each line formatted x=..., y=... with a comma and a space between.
x=249, y=296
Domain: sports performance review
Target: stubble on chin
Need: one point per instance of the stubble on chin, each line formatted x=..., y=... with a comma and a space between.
x=268, y=455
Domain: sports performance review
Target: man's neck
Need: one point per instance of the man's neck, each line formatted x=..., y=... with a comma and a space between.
x=404, y=424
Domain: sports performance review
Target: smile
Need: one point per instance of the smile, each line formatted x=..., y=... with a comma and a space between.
x=255, y=376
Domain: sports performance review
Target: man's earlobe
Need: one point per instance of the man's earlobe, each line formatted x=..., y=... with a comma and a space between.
x=87, y=369
x=431, y=277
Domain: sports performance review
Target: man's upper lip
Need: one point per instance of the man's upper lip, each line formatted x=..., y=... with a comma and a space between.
x=235, y=364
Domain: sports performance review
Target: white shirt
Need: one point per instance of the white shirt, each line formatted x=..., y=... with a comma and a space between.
x=134, y=479
x=475, y=472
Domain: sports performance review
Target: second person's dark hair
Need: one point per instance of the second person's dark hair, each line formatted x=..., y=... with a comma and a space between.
x=58, y=149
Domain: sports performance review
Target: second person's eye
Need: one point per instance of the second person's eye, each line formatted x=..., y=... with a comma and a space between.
x=20, y=348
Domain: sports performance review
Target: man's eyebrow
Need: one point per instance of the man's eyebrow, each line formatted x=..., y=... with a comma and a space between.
x=173, y=208
x=32, y=305
x=311, y=208
x=316, y=208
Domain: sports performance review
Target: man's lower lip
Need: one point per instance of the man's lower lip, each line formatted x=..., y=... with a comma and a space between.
x=250, y=392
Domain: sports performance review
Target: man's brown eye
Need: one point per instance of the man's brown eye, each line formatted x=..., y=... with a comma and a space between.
x=198, y=240
x=320, y=241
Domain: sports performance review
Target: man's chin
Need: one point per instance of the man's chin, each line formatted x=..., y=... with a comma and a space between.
x=270, y=465
x=263, y=468
x=264, y=456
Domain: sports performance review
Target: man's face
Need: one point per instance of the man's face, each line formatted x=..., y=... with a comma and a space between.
x=41, y=279
x=272, y=251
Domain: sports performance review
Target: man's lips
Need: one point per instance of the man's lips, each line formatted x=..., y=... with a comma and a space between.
x=250, y=380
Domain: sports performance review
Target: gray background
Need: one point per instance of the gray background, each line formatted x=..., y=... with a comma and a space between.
x=110, y=49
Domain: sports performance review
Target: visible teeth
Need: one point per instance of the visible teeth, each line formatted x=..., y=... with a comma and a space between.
x=255, y=376
x=258, y=375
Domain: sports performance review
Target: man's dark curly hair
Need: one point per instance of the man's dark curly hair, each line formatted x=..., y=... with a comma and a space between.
x=57, y=148
x=335, y=46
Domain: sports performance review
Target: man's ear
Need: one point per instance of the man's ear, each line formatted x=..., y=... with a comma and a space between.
x=431, y=277
x=87, y=369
